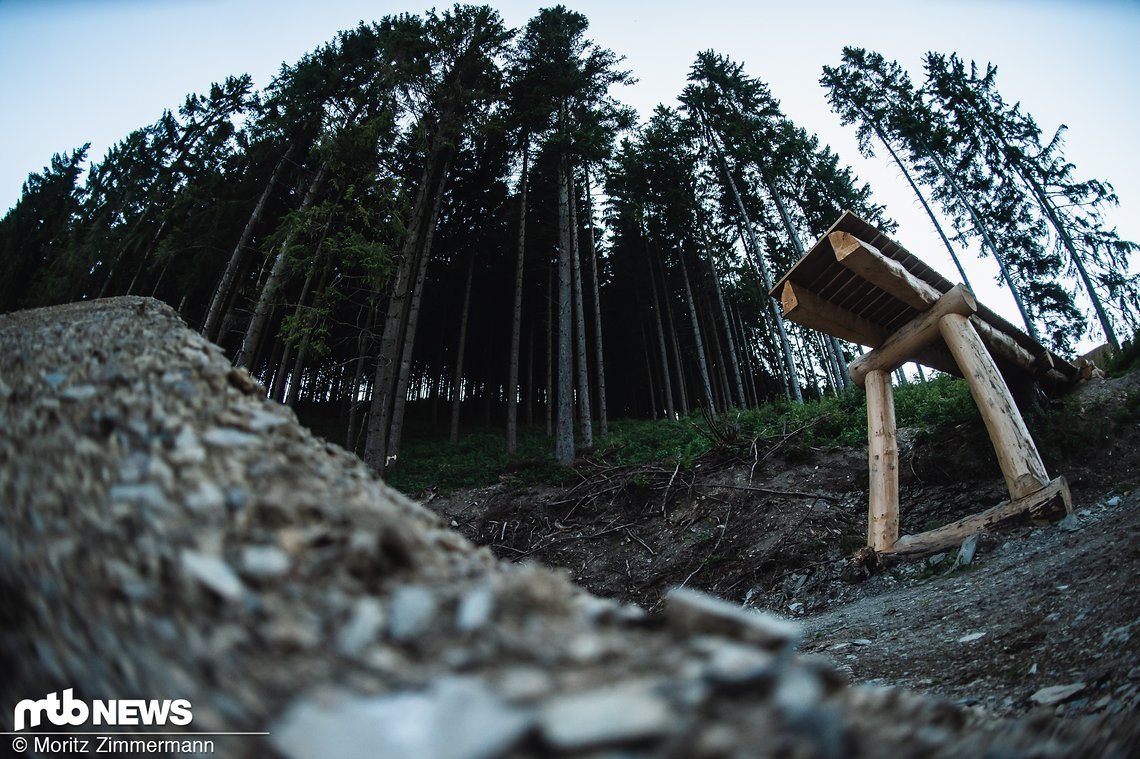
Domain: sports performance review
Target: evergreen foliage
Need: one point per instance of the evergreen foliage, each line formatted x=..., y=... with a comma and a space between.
x=436, y=219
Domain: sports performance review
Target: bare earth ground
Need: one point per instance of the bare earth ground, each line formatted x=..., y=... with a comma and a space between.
x=1037, y=607
x=166, y=532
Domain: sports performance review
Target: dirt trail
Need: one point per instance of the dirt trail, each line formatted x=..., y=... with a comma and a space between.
x=1036, y=608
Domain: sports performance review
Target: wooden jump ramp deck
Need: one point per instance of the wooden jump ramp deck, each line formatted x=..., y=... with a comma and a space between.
x=859, y=285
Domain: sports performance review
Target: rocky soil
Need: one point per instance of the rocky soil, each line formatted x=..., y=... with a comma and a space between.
x=1041, y=619
x=166, y=532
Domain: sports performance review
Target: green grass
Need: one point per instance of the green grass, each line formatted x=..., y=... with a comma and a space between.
x=427, y=460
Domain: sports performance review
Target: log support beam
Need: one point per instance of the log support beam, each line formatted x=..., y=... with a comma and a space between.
x=1048, y=504
x=883, y=462
x=1017, y=454
x=909, y=341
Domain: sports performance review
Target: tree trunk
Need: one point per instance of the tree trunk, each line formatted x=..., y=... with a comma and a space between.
x=358, y=375
x=256, y=327
x=793, y=382
x=516, y=321
x=599, y=361
x=278, y=391
x=457, y=376
x=649, y=375
x=745, y=349
x=564, y=437
x=395, y=321
x=585, y=419
x=844, y=373
x=716, y=356
x=413, y=323
x=681, y=391
x=400, y=396
x=549, y=404
x=529, y=394
x=925, y=206
x=666, y=382
x=733, y=358
x=989, y=243
x=233, y=266
x=710, y=404
x=303, y=351
x=1066, y=238
x=146, y=255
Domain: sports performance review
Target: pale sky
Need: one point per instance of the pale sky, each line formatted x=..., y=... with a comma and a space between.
x=93, y=70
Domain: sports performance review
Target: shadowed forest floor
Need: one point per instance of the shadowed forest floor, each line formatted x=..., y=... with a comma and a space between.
x=1038, y=606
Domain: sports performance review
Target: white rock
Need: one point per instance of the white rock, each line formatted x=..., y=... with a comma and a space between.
x=143, y=495
x=1055, y=694
x=362, y=628
x=228, y=437
x=798, y=693
x=412, y=611
x=737, y=664
x=79, y=392
x=206, y=497
x=604, y=716
x=264, y=562
x=214, y=573
x=971, y=637
x=966, y=552
x=260, y=420
x=187, y=449
x=475, y=609
x=695, y=612
x=457, y=719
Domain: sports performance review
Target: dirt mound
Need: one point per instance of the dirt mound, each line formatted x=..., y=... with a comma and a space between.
x=169, y=534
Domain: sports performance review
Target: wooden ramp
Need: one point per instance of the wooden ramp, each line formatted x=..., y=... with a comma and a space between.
x=859, y=285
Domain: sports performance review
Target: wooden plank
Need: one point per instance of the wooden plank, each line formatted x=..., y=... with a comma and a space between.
x=904, y=345
x=889, y=275
x=883, y=463
x=882, y=272
x=1050, y=503
x=1017, y=455
x=805, y=307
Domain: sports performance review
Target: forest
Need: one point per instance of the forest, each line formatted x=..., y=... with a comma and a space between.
x=436, y=222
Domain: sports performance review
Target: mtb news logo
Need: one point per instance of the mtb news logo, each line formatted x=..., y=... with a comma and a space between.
x=72, y=711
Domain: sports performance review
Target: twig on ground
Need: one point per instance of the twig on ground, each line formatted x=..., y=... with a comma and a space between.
x=665, y=500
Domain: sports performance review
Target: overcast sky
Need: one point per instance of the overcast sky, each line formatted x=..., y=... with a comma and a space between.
x=79, y=71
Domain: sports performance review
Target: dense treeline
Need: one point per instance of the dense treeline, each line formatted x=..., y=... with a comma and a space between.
x=982, y=160
x=436, y=218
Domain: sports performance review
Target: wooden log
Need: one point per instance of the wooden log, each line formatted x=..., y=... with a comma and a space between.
x=805, y=307
x=1048, y=504
x=810, y=310
x=1017, y=455
x=889, y=275
x=882, y=271
x=883, y=462
x=905, y=344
